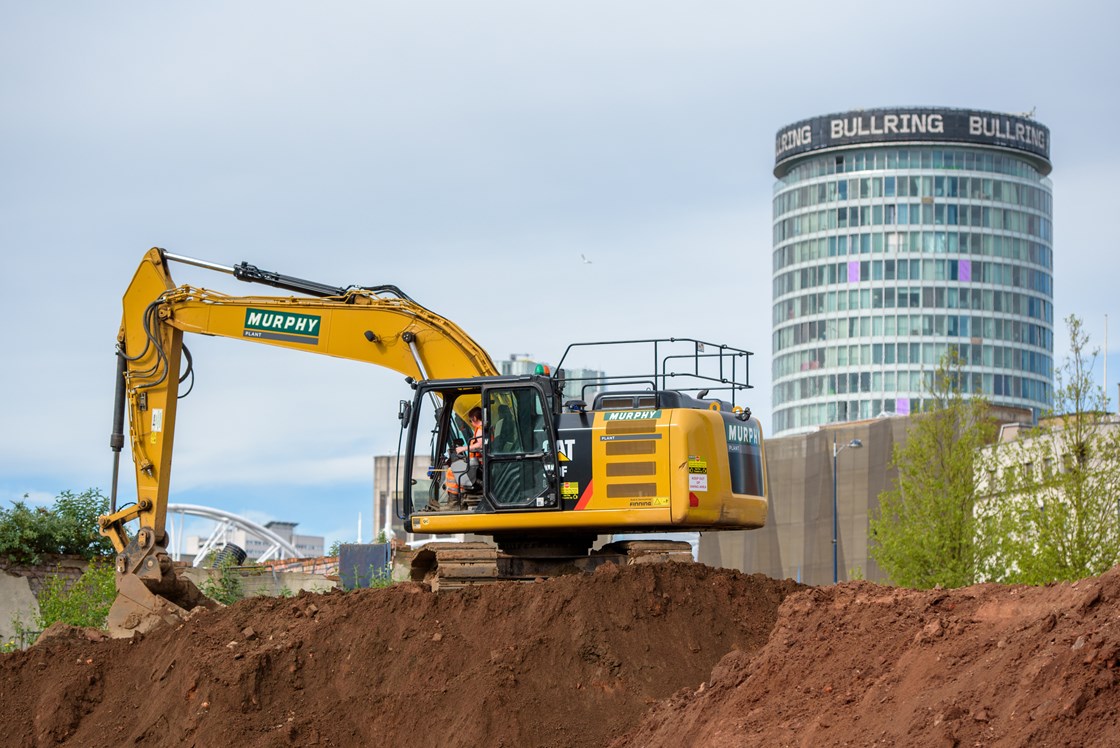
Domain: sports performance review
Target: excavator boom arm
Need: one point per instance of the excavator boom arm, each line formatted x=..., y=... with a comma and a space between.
x=354, y=323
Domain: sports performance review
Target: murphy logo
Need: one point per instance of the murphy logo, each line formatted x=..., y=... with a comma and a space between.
x=632, y=415
x=742, y=434
x=285, y=327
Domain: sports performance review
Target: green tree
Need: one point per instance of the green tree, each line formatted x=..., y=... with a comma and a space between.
x=1058, y=488
x=77, y=529
x=925, y=532
x=69, y=527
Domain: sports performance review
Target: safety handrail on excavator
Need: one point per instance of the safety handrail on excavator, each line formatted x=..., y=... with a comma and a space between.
x=714, y=366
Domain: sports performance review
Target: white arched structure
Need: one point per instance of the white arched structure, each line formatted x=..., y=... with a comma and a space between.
x=226, y=521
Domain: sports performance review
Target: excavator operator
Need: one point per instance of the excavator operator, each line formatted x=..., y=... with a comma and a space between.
x=475, y=417
x=457, y=479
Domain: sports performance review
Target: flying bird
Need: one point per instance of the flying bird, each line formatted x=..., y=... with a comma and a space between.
x=585, y=260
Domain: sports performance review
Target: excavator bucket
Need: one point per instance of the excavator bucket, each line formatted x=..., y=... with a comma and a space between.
x=138, y=609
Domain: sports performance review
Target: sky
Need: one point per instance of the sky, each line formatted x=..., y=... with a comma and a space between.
x=470, y=153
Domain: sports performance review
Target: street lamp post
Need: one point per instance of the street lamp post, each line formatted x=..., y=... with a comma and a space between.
x=854, y=444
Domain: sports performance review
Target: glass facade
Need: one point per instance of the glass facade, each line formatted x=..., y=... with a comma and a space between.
x=886, y=257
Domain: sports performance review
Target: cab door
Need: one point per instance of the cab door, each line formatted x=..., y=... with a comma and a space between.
x=520, y=448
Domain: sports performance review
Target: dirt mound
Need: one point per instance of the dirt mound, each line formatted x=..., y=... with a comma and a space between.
x=574, y=661
x=664, y=655
x=859, y=664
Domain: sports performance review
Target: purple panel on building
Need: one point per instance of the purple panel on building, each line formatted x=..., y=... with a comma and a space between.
x=964, y=271
x=902, y=406
x=853, y=271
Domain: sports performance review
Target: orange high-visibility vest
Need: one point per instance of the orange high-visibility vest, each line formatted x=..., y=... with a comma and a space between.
x=477, y=453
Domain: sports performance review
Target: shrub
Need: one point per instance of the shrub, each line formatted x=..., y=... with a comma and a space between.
x=69, y=528
x=85, y=603
x=226, y=589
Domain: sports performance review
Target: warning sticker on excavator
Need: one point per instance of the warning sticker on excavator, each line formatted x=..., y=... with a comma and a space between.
x=697, y=474
x=653, y=501
x=569, y=490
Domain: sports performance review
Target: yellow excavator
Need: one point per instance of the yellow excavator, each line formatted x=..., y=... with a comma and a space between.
x=541, y=473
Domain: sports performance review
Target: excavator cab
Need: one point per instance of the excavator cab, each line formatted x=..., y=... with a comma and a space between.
x=514, y=467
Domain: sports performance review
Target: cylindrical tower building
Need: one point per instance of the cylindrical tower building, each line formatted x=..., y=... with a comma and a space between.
x=899, y=234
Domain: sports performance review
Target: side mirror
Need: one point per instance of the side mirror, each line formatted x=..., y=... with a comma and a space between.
x=405, y=413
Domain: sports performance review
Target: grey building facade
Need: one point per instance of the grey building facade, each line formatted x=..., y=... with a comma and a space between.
x=796, y=542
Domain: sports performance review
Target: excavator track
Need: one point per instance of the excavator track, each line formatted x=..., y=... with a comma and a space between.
x=449, y=566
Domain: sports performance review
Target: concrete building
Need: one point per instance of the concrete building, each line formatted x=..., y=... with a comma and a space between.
x=1054, y=447
x=796, y=542
x=388, y=490
x=309, y=545
x=899, y=234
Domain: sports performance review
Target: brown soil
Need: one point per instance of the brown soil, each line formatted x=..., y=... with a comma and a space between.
x=573, y=661
x=859, y=664
x=658, y=655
